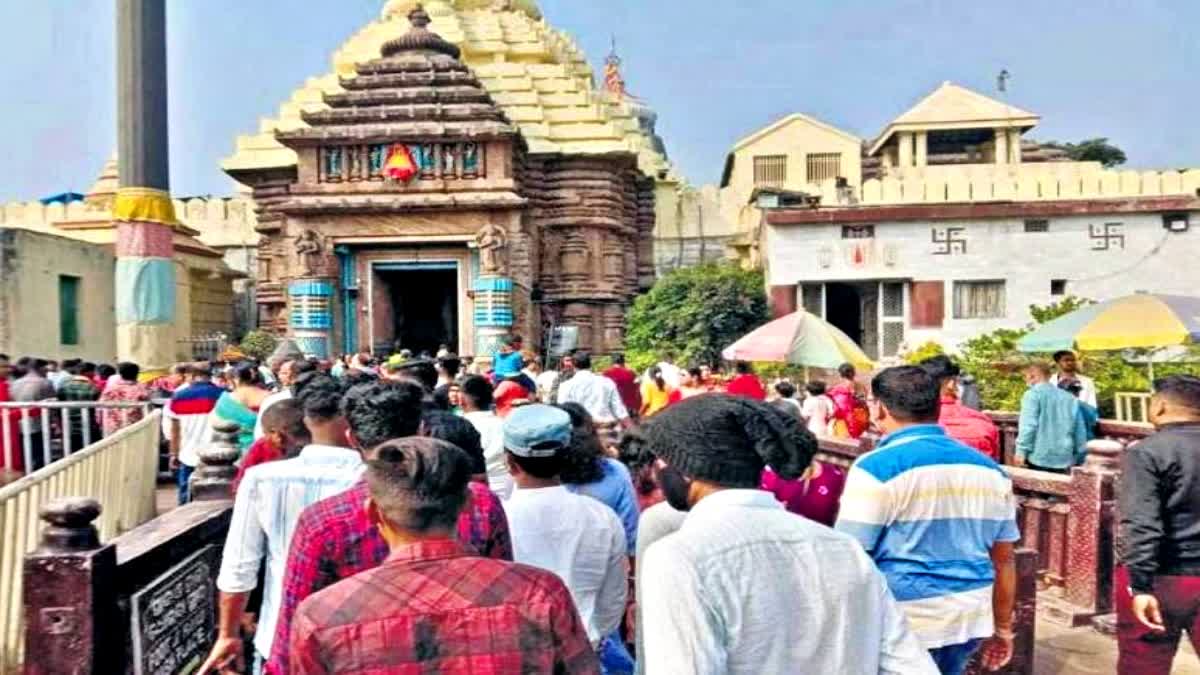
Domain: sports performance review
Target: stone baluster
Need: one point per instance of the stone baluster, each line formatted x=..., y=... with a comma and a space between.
x=69, y=594
x=213, y=478
x=1090, y=529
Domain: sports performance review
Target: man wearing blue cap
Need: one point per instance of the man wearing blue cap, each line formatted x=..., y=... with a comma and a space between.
x=578, y=538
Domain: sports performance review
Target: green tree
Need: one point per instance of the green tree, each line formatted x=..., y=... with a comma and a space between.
x=694, y=313
x=258, y=344
x=1093, y=150
x=926, y=351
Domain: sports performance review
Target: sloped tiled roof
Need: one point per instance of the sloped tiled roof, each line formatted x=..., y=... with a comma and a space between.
x=952, y=106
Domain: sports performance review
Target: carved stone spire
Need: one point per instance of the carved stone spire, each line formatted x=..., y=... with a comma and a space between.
x=420, y=38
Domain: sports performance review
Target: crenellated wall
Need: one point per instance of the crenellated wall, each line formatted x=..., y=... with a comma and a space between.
x=1029, y=182
x=222, y=222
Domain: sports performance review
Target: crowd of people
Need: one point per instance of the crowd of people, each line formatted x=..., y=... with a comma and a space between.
x=438, y=514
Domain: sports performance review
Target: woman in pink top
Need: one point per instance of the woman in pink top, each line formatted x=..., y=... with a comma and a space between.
x=815, y=495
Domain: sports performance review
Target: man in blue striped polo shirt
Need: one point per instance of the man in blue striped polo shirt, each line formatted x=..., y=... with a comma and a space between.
x=939, y=520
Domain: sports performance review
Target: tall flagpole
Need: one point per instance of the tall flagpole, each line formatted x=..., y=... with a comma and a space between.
x=145, y=215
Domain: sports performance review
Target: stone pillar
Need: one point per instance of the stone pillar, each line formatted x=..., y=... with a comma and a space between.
x=905, y=139
x=70, y=594
x=922, y=138
x=493, y=313
x=213, y=478
x=1001, y=146
x=1014, y=145
x=310, y=319
x=145, y=215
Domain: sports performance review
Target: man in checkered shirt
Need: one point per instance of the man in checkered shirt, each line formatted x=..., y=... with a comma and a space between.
x=433, y=605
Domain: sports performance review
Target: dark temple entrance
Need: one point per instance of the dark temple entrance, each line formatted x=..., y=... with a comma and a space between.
x=424, y=308
x=843, y=308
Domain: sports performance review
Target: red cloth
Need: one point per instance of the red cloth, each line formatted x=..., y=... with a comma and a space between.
x=1142, y=651
x=508, y=393
x=261, y=452
x=817, y=499
x=334, y=539
x=627, y=387
x=748, y=386
x=432, y=607
x=848, y=409
x=11, y=442
x=970, y=427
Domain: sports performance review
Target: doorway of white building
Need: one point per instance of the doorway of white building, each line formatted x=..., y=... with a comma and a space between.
x=873, y=313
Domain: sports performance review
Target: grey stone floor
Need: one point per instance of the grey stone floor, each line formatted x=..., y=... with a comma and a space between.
x=1083, y=651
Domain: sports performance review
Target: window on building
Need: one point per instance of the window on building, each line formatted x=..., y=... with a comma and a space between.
x=1058, y=287
x=824, y=166
x=812, y=298
x=1037, y=226
x=68, y=310
x=858, y=232
x=979, y=300
x=1176, y=222
x=770, y=170
x=928, y=304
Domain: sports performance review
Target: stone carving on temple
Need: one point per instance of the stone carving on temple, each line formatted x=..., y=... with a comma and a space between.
x=309, y=249
x=492, y=241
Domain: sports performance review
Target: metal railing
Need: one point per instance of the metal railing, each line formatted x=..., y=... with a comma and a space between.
x=203, y=347
x=119, y=471
x=49, y=430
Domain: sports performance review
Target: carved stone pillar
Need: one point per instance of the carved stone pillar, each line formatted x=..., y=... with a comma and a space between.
x=69, y=594
x=213, y=478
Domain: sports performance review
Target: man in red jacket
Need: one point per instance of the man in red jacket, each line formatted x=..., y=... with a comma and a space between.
x=746, y=383
x=627, y=386
x=961, y=423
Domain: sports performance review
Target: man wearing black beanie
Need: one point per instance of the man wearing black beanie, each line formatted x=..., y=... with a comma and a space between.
x=744, y=586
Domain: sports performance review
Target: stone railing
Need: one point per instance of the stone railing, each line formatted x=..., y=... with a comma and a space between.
x=143, y=602
x=1068, y=520
x=121, y=469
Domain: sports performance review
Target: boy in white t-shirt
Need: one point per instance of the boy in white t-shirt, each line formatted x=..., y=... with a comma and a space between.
x=818, y=408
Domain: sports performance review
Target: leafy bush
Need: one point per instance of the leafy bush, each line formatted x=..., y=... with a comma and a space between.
x=925, y=351
x=258, y=344
x=693, y=313
x=996, y=364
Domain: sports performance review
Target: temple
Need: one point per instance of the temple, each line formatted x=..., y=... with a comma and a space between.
x=451, y=190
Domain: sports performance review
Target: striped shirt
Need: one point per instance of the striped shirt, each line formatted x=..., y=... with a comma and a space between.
x=929, y=509
x=268, y=506
x=190, y=405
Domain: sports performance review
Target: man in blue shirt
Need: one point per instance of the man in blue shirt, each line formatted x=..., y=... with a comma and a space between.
x=1052, y=435
x=507, y=360
x=939, y=519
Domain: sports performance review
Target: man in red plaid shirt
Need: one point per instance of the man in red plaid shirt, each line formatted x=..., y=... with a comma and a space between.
x=432, y=606
x=336, y=538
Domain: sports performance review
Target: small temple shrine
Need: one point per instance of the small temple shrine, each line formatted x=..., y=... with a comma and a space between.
x=409, y=208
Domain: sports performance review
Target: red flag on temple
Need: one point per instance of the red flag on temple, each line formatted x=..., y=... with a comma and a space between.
x=400, y=164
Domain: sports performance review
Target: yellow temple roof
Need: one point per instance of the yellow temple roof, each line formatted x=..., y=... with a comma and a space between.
x=535, y=73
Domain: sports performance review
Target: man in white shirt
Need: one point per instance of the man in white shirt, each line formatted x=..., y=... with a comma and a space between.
x=599, y=396
x=1068, y=374
x=289, y=372
x=477, y=409
x=268, y=505
x=744, y=587
x=576, y=537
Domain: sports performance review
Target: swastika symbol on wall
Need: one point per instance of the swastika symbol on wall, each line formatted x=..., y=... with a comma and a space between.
x=1108, y=236
x=949, y=241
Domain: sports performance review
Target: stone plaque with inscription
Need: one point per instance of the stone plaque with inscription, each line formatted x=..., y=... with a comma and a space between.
x=173, y=617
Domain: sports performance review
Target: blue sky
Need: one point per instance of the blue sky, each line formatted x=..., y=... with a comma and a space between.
x=715, y=71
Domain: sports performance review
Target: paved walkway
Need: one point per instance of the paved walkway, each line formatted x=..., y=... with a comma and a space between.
x=1083, y=651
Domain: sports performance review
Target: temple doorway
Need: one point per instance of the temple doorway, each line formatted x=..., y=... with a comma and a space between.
x=422, y=306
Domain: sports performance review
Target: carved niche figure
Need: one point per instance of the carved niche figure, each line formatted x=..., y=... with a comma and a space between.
x=492, y=241
x=309, y=248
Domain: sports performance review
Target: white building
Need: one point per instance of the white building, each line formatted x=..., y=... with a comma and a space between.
x=962, y=226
